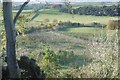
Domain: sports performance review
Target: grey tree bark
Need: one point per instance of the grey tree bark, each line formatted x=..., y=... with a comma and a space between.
x=9, y=24
x=11, y=40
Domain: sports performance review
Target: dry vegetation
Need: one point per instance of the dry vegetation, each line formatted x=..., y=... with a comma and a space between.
x=113, y=24
x=71, y=52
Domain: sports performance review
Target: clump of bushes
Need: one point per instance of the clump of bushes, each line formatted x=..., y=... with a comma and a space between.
x=68, y=24
x=52, y=63
x=49, y=64
x=47, y=24
x=97, y=25
x=113, y=24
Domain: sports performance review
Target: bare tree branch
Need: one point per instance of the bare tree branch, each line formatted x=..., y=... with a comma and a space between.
x=20, y=10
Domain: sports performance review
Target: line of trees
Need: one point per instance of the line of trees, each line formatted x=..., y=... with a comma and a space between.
x=95, y=10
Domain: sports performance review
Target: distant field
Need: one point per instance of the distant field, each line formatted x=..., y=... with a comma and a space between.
x=55, y=14
x=52, y=14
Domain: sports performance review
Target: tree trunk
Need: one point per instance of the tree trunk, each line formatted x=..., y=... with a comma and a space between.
x=13, y=67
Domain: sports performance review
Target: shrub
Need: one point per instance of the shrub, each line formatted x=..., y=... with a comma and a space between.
x=113, y=24
x=49, y=64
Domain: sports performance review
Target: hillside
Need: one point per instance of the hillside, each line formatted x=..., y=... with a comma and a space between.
x=51, y=43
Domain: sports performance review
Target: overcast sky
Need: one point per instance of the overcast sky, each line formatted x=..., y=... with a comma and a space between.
x=64, y=0
x=70, y=0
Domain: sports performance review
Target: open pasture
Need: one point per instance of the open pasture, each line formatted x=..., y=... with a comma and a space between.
x=53, y=14
x=86, y=19
x=90, y=46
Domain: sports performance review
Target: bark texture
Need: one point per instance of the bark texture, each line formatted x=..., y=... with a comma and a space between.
x=11, y=40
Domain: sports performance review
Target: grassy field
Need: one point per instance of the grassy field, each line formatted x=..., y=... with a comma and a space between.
x=71, y=39
x=74, y=39
x=53, y=14
x=83, y=41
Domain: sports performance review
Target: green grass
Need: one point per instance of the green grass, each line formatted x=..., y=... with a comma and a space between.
x=53, y=14
x=24, y=11
x=71, y=39
x=86, y=30
x=68, y=39
x=82, y=31
x=86, y=19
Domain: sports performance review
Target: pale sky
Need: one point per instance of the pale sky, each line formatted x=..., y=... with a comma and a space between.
x=64, y=0
x=70, y=0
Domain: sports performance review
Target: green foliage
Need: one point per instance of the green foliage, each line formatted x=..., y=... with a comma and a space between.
x=49, y=64
x=22, y=20
x=93, y=10
x=47, y=24
x=3, y=44
x=3, y=41
x=1, y=11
